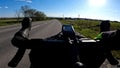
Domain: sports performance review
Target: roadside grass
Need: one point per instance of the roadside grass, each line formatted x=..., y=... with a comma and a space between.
x=89, y=29
x=5, y=22
x=10, y=21
x=86, y=27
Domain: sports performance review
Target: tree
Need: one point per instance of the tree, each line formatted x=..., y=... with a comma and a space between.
x=24, y=10
x=40, y=15
x=33, y=13
x=18, y=13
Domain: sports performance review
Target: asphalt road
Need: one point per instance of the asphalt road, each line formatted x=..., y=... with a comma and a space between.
x=42, y=29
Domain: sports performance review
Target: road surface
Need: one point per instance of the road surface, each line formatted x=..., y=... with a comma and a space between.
x=42, y=29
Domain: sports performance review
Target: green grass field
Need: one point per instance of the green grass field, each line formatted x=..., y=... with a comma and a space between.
x=4, y=22
x=86, y=28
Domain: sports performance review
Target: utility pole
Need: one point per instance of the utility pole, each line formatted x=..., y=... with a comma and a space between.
x=63, y=16
x=78, y=16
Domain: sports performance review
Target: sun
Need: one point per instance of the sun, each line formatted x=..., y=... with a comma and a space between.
x=97, y=3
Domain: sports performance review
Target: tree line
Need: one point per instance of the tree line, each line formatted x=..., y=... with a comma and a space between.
x=27, y=11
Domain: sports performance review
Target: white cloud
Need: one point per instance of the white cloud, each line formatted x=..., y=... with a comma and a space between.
x=29, y=1
x=6, y=7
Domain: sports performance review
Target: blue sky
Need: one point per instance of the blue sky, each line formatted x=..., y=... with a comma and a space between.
x=95, y=9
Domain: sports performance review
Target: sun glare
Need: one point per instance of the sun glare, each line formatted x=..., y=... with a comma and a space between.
x=97, y=3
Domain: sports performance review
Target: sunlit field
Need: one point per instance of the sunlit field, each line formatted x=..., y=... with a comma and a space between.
x=89, y=28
